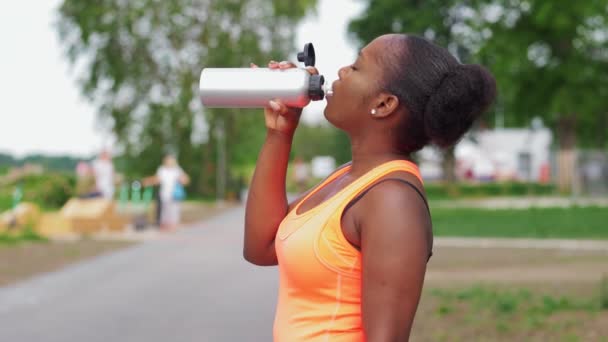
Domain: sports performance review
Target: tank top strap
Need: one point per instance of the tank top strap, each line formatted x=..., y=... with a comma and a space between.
x=375, y=174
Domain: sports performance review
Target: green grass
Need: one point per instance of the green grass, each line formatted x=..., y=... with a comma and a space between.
x=604, y=292
x=439, y=191
x=24, y=235
x=6, y=202
x=567, y=223
x=509, y=310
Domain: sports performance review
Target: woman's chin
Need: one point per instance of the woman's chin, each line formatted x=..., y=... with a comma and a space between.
x=326, y=112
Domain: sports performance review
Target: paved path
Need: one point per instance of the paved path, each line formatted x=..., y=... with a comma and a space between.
x=189, y=286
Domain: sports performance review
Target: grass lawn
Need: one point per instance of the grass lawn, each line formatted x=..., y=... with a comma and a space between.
x=494, y=313
x=566, y=223
x=504, y=294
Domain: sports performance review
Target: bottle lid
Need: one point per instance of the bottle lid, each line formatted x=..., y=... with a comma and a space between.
x=315, y=87
x=307, y=55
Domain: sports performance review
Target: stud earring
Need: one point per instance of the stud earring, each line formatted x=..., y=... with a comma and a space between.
x=373, y=111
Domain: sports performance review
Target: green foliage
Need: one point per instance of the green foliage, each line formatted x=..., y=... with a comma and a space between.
x=321, y=140
x=567, y=223
x=53, y=163
x=547, y=56
x=6, y=201
x=25, y=235
x=143, y=59
x=548, y=59
x=508, y=309
x=604, y=293
x=50, y=191
x=437, y=191
x=432, y=18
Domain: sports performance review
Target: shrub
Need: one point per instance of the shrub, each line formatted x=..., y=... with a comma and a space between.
x=48, y=190
x=467, y=190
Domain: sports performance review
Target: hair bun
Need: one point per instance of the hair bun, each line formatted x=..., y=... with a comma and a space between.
x=463, y=94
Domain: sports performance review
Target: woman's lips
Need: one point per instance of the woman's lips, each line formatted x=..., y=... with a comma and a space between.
x=330, y=89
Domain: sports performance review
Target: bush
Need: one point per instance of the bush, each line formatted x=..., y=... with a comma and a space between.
x=50, y=191
x=460, y=190
x=6, y=202
x=25, y=235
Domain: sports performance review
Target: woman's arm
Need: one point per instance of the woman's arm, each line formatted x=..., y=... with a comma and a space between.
x=395, y=231
x=149, y=181
x=267, y=199
x=184, y=178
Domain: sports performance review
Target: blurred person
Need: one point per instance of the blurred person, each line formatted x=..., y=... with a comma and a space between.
x=352, y=251
x=300, y=174
x=170, y=178
x=103, y=172
x=85, y=181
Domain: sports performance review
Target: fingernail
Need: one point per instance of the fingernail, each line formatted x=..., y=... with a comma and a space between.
x=283, y=63
x=275, y=106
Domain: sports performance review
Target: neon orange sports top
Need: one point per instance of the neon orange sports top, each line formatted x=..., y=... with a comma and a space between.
x=319, y=270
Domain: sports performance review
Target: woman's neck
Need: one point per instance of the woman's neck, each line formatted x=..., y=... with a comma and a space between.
x=366, y=156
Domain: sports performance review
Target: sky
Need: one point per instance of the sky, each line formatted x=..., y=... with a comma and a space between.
x=41, y=109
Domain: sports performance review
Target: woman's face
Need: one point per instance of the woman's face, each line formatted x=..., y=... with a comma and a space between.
x=356, y=86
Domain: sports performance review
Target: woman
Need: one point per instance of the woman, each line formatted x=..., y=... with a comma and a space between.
x=352, y=251
x=169, y=176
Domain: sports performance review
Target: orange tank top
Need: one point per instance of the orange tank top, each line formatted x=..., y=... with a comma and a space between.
x=319, y=270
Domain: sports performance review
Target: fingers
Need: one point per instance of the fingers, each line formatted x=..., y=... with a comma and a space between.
x=251, y=65
x=287, y=65
x=312, y=70
x=277, y=107
x=281, y=65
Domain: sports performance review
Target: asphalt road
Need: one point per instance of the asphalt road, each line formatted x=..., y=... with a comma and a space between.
x=189, y=286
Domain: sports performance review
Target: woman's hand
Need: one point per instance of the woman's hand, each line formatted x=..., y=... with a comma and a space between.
x=279, y=117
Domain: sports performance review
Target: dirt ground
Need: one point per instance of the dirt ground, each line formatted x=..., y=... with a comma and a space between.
x=28, y=259
x=553, y=278
x=22, y=261
x=456, y=266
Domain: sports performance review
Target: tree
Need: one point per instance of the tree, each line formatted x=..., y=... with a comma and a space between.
x=549, y=58
x=321, y=139
x=141, y=62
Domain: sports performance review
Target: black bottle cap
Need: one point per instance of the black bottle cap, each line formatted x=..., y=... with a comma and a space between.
x=315, y=87
x=307, y=55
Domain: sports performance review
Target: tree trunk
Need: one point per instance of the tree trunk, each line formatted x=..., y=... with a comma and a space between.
x=566, y=131
x=602, y=130
x=449, y=169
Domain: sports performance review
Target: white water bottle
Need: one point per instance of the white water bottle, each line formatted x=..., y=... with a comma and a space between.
x=255, y=87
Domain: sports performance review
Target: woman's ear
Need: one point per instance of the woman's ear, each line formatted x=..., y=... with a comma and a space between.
x=385, y=105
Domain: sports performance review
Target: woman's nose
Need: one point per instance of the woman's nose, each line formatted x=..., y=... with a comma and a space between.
x=342, y=72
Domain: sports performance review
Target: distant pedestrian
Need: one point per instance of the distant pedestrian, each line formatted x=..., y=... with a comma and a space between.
x=171, y=179
x=103, y=171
